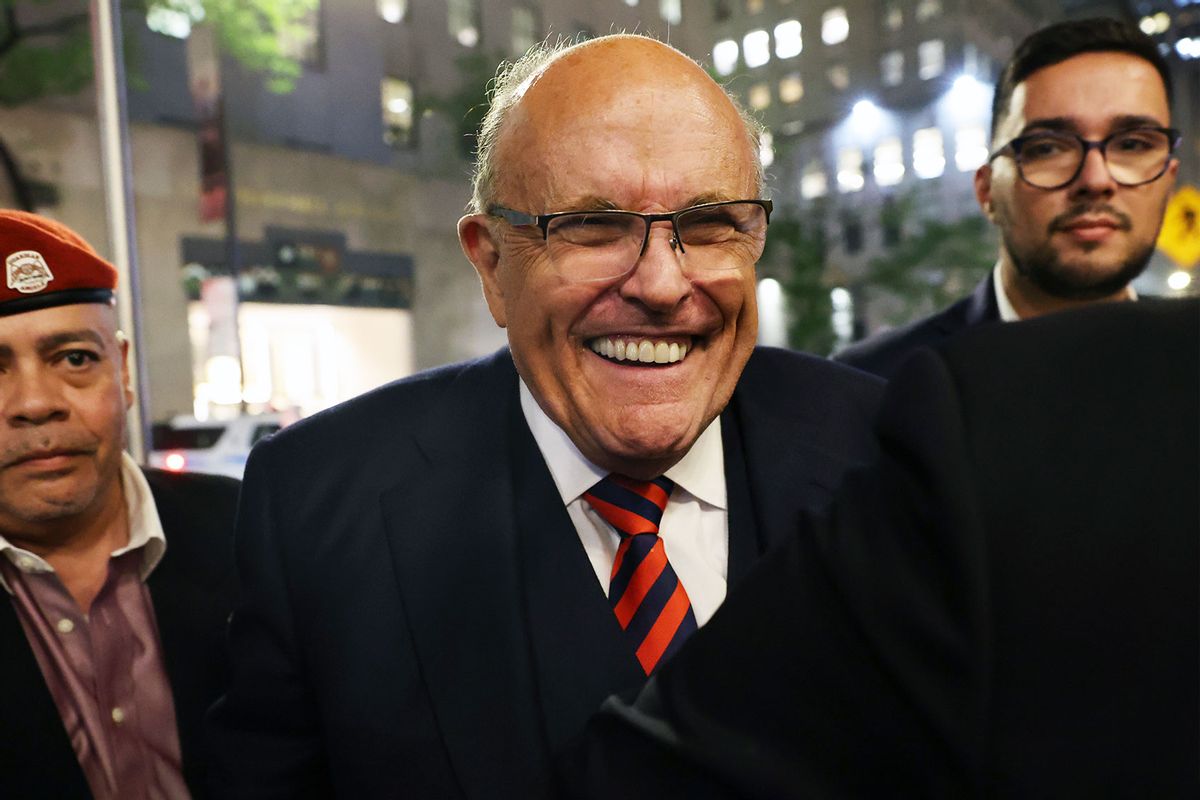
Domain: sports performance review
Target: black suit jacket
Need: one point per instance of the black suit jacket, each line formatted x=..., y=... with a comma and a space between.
x=192, y=590
x=882, y=355
x=1005, y=606
x=420, y=619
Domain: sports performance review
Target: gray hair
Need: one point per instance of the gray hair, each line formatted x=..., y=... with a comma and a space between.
x=507, y=89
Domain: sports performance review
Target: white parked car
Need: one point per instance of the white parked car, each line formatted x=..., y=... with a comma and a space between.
x=186, y=444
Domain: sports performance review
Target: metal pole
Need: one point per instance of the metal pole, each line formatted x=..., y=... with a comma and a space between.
x=116, y=167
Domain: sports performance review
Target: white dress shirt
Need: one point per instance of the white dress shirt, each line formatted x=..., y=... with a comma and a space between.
x=694, y=527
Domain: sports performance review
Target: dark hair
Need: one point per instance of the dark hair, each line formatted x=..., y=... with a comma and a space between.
x=1064, y=40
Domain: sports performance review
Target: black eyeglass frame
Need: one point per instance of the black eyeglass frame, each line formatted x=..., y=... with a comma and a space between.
x=542, y=221
x=1013, y=148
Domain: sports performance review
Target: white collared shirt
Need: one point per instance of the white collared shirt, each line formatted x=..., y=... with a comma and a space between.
x=1007, y=312
x=694, y=527
x=145, y=528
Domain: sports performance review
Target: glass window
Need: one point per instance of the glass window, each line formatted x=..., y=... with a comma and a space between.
x=760, y=96
x=852, y=232
x=722, y=10
x=462, y=19
x=835, y=26
x=671, y=11
x=754, y=6
x=813, y=183
x=891, y=68
x=931, y=59
x=725, y=56
x=766, y=147
x=756, y=48
x=929, y=158
x=850, y=172
x=893, y=16
x=889, y=162
x=631, y=3
x=397, y=98
x=839, y=77
x=928, y=9
x=524, y=29
x=970, y=148
x=393, y=11
x=791, y=88
x=787, y=39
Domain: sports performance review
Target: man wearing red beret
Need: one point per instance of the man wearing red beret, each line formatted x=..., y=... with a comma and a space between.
x=116, y=581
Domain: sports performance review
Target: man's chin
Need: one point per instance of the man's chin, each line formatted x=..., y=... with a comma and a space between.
x=1085, y=280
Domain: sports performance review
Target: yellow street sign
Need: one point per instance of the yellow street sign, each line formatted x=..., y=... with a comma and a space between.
x=1180, y=234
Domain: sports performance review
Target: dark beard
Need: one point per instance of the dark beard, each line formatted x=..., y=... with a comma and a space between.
x=1043, y=268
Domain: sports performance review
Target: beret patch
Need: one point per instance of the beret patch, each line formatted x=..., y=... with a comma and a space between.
x=47, y=264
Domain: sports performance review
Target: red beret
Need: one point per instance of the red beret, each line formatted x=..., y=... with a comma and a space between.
x=48, y=264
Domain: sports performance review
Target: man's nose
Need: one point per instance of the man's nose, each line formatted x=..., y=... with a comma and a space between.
x=657, y=280
x=1094, y=177
x=32, y=397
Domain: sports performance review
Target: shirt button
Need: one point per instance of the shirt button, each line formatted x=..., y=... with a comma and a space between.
x=65, y=625
x=118, y=715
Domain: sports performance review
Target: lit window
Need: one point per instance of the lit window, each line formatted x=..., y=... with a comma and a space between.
x=766, y=148
x=791, y=89
x=760, y=96
x=631, y=3
x=524, y=29
x=393, y=11
x=397, y=98
x=889, y=162
x=671, y=11
x=835, y=26
x=813, y=183
x=725, y=56
x=849, y=171
x=839, y=77
x=893, y=17
x=970, y=149
x=929, y=159
x=462, y=18
x=787, y=39
x=931, y=59
x=754, y=6
x=756, y=48
x=891, y=68
x=928, y=9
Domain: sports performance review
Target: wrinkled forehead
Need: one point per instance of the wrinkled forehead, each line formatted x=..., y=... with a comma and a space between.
x=630, y=116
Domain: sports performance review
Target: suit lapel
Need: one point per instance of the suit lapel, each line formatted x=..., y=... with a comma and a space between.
x=36, y=758
x=451, y=529
x=579, y=653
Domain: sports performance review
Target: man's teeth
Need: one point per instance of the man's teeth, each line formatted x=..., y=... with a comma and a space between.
x=644, y=351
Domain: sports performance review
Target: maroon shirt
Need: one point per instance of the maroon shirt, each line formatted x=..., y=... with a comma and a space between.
x=106, y=674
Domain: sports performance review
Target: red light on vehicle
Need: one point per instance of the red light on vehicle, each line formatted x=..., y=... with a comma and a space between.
x=175, y=462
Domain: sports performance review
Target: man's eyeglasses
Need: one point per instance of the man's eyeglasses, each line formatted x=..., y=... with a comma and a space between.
x=1053, y=159
x=603, y=245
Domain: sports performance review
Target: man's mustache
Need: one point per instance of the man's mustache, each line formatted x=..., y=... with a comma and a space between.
x=1063, y=221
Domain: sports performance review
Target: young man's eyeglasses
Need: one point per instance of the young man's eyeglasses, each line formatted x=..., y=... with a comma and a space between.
x=603, y=245
x=1053, y=159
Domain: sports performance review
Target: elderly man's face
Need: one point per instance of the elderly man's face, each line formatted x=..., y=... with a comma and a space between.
x=64, y=393
x=621, y=124
x=1088, y=239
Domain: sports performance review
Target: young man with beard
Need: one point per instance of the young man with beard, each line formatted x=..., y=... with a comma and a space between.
x=115, y=582
x=1077, y=183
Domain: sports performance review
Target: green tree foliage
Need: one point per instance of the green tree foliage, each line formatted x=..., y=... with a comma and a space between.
x=934, y=263
x=795, y=251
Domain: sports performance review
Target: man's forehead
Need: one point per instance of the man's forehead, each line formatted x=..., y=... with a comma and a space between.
x=1068, y=89
x=95, y=321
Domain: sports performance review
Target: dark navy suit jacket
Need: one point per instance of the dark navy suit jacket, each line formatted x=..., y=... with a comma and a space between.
x=882, y=355
x=192, y=590
x=419, y=616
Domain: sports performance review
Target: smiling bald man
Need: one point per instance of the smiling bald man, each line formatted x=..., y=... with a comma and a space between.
x=445, y=577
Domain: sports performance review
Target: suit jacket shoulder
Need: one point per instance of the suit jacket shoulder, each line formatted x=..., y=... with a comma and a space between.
x=883, y=354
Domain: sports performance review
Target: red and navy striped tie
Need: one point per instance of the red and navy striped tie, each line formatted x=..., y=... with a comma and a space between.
x=646, y=594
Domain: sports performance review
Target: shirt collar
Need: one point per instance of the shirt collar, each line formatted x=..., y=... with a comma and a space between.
x=701, y=472
x=1008, y=313
x=145, y=528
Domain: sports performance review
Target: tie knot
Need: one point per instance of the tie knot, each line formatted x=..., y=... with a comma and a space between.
x=630, y=506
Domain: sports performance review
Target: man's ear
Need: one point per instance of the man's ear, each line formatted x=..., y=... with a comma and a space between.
x=483, y=251
x=126, y=379
x=983, y=190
